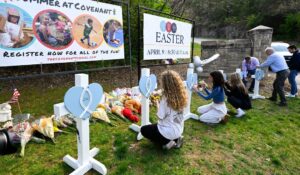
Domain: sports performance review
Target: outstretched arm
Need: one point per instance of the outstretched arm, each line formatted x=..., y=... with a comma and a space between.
x=267, y=63
x=210, y=95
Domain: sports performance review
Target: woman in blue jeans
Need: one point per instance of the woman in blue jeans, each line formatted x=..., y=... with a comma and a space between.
x=294, y=66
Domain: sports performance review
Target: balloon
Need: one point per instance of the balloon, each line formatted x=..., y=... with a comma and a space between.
x=197, y=61
x=191, y=65
x=199, y=69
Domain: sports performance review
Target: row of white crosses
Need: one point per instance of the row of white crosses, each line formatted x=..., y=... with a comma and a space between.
x=85, y=160
x=192, y=79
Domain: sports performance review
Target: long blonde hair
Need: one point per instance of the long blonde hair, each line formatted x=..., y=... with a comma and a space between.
x=174, y=90
x=236, y=82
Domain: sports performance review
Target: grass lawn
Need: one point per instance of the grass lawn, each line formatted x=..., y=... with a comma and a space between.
x=265, y=141
x=197, y=49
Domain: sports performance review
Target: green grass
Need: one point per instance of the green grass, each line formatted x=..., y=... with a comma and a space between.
x=265, y=141
x=197, y=49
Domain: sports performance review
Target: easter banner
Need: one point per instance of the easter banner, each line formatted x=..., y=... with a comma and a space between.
x=166, y=38
x=59, y=31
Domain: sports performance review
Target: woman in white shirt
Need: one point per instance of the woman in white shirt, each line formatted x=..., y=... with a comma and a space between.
x=168, y=131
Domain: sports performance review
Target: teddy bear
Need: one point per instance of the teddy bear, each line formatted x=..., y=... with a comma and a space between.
x=129, y=115
x=133, y=105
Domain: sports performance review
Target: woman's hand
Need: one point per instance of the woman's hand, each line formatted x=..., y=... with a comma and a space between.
x=195, y=88
x=203, y=84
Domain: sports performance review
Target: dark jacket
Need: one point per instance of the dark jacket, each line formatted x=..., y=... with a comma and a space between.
x=237, y=93
x=294, y=63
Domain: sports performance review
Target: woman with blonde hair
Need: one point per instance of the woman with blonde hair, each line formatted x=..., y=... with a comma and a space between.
x=168, y=131
x=237, y=94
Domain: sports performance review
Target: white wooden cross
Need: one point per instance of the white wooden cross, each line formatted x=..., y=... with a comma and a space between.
x=256, y=94
x=187, y=110
x=85, y=160
x=145, y=111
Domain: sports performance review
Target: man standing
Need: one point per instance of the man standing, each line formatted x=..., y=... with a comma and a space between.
x=280, y=67
x=249, y=67
x=294, y=66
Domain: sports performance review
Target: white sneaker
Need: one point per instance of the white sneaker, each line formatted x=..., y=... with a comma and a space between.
x=169, y=145
x=240, y=113
x=290, y=95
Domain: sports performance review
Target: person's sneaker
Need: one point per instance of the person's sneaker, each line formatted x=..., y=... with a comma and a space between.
x=82, y=41
x=179, y=142
x=169, y=145
x=240, y=113
x=272, y=99
x=282, y=104
x=290, y=95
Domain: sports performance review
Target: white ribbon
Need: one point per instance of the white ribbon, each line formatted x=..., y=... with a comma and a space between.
x=148, y=87
x=86, y=108
x=259, y=74
x=192, y=82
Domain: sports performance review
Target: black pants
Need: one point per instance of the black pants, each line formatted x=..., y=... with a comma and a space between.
x=238, y=103
x=151, y=132
x=278, y=85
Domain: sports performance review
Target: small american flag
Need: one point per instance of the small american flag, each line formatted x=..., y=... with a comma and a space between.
x=15, y=96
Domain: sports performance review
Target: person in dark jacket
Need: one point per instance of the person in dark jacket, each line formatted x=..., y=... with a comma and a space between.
x=237, y=94
x=294, y=66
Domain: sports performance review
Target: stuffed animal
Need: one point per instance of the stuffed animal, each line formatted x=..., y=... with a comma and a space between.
x=124, y=98
x=136, y=94
x=128, y=114
x=133, y=105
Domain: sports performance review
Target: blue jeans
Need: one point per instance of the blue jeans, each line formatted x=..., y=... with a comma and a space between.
x=292, y=80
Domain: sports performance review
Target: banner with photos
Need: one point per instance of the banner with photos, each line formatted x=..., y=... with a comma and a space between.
x=59, y=31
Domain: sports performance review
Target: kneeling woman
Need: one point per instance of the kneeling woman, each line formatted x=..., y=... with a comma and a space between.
x=216, y=111
x=237, y=94
x=167, y=132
